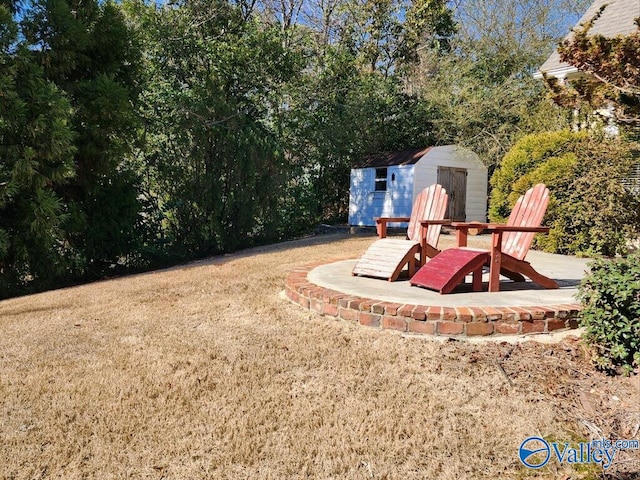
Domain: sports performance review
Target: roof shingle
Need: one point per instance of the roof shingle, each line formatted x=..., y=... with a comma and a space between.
x=387, y=159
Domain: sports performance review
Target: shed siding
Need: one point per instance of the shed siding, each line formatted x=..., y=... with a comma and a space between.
x=426, y=174
x=365, y=204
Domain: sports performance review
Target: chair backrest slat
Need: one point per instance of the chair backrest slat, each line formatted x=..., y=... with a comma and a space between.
x=528, y=211
x=430, y=204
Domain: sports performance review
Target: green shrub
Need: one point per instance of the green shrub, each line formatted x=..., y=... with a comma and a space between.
x=590, y=211
x=525, y=157
x=611, y=312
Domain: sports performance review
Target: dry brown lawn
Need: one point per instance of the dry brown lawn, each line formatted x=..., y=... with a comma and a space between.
x=206, y=371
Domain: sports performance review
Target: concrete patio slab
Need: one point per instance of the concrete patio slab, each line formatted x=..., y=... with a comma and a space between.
x=567, y=271
x=519, y=308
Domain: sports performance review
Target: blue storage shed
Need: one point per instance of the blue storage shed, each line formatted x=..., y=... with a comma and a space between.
x=385, y=184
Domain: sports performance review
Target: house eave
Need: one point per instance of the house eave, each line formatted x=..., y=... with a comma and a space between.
x=560, y=73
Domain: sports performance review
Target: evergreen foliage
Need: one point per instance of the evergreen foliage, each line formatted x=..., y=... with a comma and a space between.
x=89, y=52
x=36, y=152
x=590, y=211
x=611, y=315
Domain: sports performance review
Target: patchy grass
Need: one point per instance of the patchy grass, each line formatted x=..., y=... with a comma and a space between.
x=205, y=371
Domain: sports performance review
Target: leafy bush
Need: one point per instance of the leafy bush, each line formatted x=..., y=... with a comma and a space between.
x=590, y=211
x=611, y=312
x=523, y=158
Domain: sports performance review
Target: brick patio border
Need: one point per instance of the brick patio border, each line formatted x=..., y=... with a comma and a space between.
x=427, y=319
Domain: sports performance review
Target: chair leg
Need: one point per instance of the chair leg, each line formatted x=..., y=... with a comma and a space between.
x=520, y=267
x=477, y=280
x=537, y=277
x=515, y=276
x=412, y=266
x=409, y=259
x=495, y=262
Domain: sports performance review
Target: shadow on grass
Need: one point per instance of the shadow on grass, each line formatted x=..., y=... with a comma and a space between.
x=308, y=241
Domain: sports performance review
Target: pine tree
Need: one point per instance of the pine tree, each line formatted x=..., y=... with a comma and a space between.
x=36, y=159
x=89, y=52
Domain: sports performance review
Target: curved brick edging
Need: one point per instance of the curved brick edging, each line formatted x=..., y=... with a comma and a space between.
x=422, y=319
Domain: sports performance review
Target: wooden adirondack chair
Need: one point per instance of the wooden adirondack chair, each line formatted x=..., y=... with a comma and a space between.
x=387, y=257
x=510, y=244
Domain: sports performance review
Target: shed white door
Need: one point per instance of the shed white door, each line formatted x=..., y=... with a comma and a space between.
x=454, y=181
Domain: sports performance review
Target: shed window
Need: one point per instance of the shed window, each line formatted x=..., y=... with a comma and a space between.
x=380, y=184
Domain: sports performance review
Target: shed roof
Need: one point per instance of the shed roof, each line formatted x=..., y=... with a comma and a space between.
x=387, y=159
x=618, y=18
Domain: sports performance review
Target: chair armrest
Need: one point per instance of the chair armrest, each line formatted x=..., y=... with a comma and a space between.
x=391, y=219
x=494, y=228
x=426, y=223
x=516, y=228
x=498, y=227
x=381, y=224
x=462, y=230
x=468, y=225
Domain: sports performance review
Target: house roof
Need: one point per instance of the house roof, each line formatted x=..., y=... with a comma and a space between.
x=387, y=159
x=618, y=18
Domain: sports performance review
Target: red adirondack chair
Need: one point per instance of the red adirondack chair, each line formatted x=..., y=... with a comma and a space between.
x=510, y=244
x=387, y=257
